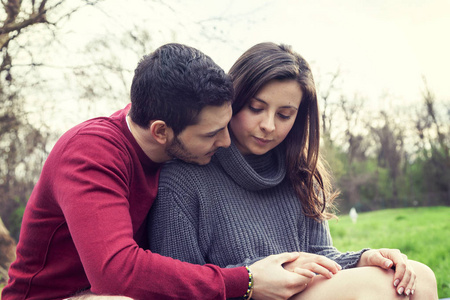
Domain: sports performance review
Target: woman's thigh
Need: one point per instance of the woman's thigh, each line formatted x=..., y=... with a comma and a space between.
x=358, y=283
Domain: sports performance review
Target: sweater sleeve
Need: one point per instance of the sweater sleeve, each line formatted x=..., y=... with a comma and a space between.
x=321, y=244
x=92, y=188
x=173, y=228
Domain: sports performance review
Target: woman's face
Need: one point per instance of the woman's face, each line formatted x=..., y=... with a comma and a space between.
x=264, y=122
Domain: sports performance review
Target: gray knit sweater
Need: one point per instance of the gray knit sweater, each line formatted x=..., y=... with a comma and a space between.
x=234, y=211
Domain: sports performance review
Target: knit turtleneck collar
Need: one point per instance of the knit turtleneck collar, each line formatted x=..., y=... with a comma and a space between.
x=253, y=172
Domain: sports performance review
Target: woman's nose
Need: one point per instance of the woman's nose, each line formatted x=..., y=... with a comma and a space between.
x=268, y=124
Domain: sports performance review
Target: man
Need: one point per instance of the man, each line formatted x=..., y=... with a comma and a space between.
x=84, y=225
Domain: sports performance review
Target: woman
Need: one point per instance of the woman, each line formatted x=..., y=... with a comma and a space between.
x=269, y=193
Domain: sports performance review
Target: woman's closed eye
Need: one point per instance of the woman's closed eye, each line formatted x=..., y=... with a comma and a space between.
x=254, y=109
x=284, y=116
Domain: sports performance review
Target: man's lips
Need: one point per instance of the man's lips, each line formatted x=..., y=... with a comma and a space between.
x=211, y=153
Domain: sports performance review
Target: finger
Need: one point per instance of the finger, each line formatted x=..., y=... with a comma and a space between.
x=377, y=259
x=394, y=255
x=286, y=257
x=329, y=264
x=319, y=269
x=413, y=290
x=404, y=283
x=306, y=277
x=305, y=272
x=408, y=281
x=400, y=269
x=306, y=259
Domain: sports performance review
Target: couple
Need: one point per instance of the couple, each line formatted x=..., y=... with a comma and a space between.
x=262, y=199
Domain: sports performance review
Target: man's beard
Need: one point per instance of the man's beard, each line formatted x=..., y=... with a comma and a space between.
x=177, y=150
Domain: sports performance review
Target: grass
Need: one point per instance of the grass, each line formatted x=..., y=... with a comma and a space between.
x=421, y=233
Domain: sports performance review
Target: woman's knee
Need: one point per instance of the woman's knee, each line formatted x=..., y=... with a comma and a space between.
x=426, y=286
x=379, y=284
x=423, y=272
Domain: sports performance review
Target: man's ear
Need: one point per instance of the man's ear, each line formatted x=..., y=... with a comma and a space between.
x=160, y=131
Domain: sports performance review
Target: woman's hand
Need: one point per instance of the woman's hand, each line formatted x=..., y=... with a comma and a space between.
x=272, y=281
x=313, y=264
x=404, y=277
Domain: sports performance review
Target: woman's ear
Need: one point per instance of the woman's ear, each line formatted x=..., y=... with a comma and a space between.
x=160, y=131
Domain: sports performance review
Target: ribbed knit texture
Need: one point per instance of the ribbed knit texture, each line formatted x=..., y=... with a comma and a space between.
x=234, y=211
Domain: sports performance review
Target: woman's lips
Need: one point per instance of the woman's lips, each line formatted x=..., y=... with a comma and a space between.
x=261, y=141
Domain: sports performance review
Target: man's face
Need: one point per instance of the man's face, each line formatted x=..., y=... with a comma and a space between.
x=198, y=143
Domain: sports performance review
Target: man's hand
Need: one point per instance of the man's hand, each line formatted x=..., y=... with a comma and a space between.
x=272, y=281
x=318, y=264
x=404, y=277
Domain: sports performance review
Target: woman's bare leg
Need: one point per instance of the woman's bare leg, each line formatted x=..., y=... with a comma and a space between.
x=88, y=295
x=369, y=283
x=426, y=286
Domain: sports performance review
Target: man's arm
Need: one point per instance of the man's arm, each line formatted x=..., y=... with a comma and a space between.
x=271, y=280
x=93, y=193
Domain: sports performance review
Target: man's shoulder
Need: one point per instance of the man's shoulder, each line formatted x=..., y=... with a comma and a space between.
x=112, y=126
x=99, y=138
x=101, y=128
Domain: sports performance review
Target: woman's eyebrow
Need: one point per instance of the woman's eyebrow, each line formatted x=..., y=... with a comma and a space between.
x=285, y=106
x=260, y=100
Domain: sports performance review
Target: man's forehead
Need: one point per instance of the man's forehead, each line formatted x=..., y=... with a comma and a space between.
x=214, y=117
x=215, y=113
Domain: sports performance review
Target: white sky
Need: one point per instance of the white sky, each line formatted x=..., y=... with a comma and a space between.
x=380, y=46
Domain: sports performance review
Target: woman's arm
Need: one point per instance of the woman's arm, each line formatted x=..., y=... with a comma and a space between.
x=321, y=243
x=173, y=227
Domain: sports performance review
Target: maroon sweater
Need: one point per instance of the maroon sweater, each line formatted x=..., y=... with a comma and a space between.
x=84, y=226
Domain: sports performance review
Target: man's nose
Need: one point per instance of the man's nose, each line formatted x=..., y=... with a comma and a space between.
x=224, y=139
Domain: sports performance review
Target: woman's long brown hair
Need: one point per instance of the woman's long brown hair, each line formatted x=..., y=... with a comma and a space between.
x=305, y=167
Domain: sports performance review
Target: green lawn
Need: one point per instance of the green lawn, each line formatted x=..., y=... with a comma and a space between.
x=421, y=233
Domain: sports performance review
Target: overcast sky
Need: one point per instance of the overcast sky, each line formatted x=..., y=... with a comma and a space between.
x=380, y=46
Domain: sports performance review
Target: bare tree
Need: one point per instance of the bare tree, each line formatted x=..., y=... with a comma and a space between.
x=433, y=128
x=433, y=120
x=325, y=98
x=356, y=146
x=27, y=29
x=390, y=150
x=353, y=112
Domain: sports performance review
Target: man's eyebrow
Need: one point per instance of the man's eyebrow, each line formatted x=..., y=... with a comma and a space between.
x=215, y=131
x=286, y=106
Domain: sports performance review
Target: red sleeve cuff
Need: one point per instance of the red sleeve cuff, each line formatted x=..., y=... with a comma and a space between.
x=236, y=281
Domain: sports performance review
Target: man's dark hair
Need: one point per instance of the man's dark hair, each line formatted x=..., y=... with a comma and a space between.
x=174, y=83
